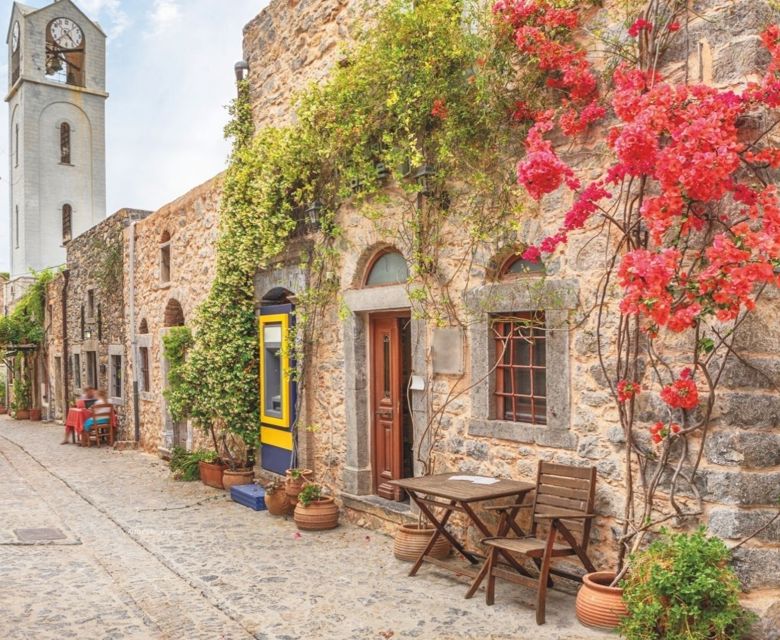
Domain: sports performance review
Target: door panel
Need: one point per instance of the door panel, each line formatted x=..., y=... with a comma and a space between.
x=386, y=405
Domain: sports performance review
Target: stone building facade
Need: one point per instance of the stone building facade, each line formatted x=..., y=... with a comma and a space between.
x=169, y=257
x=452, y=401
x=86, y=319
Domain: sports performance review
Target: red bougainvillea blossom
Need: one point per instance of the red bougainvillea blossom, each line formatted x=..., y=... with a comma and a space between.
x=439, y=109
x=639, y=25
x=627, y=390
x=659, y=431
x=684, y=140
x=682, y=393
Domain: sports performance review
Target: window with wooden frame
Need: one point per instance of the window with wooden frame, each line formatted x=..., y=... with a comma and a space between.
x=143, y=356
x=165, y=257
x=77, y=370
x=64, y=143
x=67, y=223
x=521, y=367
x=516, y=267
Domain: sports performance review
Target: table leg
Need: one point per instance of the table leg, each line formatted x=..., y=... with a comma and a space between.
x=440, y=530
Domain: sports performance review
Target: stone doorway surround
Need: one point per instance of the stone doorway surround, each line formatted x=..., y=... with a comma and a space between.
x=174, y=434
x=362, y=302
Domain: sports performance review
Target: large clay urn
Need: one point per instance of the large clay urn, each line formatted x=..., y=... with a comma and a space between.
x=411, y=540
x=599, y=605
x=317, y=515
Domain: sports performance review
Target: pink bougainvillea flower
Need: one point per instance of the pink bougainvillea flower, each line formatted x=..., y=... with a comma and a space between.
x=439, y=109
x=673, y=26
x=640, y=25
x=627, y=390
x=681, y=394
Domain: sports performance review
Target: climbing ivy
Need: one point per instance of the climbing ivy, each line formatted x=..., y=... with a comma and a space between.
x=25, y=324
x=427, y=91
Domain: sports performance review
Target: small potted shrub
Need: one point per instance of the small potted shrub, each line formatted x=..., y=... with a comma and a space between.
x=276, y=500
x=238, y=471
x=682, y=586
x=295, y=480
x=21, y=401
x=315, y=511
x=36, y=414
x=185, y=465
x=210, y=468
x=3, y=408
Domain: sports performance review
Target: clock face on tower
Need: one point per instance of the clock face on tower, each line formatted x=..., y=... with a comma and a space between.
x=15, y=38
x=66, y=33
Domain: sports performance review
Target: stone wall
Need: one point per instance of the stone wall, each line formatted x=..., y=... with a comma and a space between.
x=96, y=312
x=190, y=223
x=290, y=44
x=55, y=340
x=740, y=477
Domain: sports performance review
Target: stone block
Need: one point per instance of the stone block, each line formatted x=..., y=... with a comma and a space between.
x=738, y=59
x=750, y=410
x=757, y=568
x=744, y=449
x=735, y=524
x=740, y=488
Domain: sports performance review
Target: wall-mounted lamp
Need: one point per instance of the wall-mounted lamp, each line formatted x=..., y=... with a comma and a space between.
x=87, y=334
x=424, y=175
x=242, y=69
x=313, y=214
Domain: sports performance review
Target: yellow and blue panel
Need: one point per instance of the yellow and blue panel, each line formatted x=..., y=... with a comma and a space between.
x=277, y=388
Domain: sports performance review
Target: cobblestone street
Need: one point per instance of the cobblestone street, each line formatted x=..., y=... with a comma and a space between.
x=145, y=557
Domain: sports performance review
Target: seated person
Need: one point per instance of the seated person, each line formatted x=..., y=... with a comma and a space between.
x=89, y=397
x=101, y=412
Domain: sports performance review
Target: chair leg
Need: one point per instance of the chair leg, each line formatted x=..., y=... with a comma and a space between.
x=544, y=575
x=538, y=564
x=490, y=592
x=478, y=580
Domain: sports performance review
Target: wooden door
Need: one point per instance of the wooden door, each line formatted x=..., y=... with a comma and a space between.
x=386, y=371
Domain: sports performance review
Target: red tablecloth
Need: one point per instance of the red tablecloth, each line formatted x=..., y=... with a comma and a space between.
x=76, y=419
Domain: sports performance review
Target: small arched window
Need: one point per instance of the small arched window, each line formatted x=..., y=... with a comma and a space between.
x=67, y=223
x=165, y=257
x=517, y=267
x=64, y=143
x=143, y=328
x=174, y=314
x=387, y=268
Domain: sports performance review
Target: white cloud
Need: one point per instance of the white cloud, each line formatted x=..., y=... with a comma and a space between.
x=164, y=13
x=109, y=13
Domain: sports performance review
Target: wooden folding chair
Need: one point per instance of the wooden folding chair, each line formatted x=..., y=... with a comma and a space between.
x=560, y=527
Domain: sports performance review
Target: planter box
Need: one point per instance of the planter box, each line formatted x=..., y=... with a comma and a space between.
x=249, y=495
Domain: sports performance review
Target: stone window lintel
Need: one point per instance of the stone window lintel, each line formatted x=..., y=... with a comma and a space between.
x=556, y=298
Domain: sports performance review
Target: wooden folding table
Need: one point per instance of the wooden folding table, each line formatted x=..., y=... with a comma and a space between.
x=460, y=496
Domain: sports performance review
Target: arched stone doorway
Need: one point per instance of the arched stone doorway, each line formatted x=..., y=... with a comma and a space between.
x=174, y=434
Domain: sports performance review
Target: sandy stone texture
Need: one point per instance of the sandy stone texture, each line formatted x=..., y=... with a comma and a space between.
x=159, y=559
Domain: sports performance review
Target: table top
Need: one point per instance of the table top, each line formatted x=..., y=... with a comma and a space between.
x=462, y=490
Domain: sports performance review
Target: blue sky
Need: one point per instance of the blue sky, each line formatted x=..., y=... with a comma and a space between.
x=170, y=75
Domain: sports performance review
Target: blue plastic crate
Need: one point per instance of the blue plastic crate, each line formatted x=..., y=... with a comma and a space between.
x=250, y=495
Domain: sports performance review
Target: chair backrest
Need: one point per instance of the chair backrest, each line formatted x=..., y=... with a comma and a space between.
x=101, y=409
x=566, y=489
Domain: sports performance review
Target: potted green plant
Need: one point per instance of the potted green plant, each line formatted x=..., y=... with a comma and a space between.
x=210, y=469
x=3, y=408
x=21, y=400
x=295, y=480
x=315, y=511
x=235, y=456
x=276, y=500
x=185, y=465
x=682, y=586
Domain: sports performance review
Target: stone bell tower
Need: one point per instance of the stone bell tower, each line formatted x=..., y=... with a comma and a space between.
x=56, y=98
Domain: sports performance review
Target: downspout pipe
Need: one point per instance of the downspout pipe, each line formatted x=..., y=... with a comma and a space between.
x=133, y=336
x=65, y=358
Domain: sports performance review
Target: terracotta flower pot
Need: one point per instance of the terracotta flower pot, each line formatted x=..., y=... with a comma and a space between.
x=234, y=478
x=317, y=515
x=211, y=474
x=35, y=414
x=293, y=486
x=278, y=503
x=3, y=410
x=599, y=605
x=411, y=540
x=22, y=414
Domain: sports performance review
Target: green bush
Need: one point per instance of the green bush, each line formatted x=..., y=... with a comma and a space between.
x=184, y=464
x=310, y=493
x=682, y=588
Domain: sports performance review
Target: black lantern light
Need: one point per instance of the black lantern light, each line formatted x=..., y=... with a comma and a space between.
x=313, y=214
x=424, y=176
x=382, y=172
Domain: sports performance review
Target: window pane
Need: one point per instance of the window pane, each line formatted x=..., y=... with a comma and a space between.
x=521, y=266
x=523, y=382
x=272, y=370
x=540, y=383
x=390, y=268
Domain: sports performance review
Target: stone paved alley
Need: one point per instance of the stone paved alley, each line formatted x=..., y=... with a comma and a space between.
x=138, y=561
